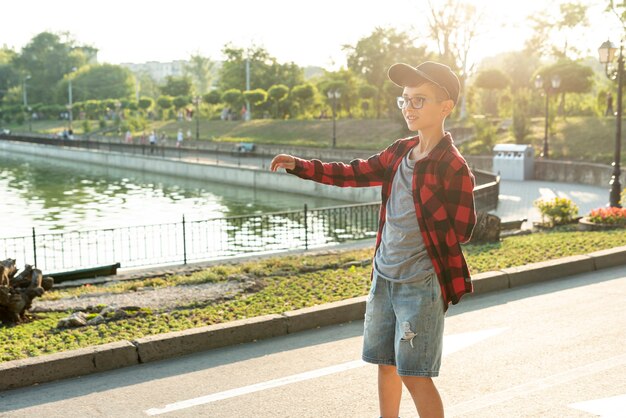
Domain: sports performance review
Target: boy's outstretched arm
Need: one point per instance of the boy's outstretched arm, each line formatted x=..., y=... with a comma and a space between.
x=357, y=173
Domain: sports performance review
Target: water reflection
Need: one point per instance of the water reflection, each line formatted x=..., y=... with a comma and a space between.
x=59, y=195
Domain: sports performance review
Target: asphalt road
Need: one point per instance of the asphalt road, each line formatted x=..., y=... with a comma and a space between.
x=553, y=349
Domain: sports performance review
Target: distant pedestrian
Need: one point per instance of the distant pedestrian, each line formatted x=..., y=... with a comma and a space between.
x=179, y=138
x=153, y=140
x=129, y=137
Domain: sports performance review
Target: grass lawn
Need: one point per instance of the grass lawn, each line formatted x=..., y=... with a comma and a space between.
x=285, y=283
x=588, y=139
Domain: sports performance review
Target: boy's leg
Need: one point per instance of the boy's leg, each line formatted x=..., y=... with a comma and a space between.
x=418, y=342
x=389, y=391
x=425, y=395
x=378, y=346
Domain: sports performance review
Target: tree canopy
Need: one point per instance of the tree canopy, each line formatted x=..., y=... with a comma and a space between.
x=374, y=54
x=47, y=60
x=99, y=82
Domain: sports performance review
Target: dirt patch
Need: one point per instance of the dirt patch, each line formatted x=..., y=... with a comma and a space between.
x=159, y=298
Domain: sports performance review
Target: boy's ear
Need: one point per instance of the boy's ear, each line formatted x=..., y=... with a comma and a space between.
x=448, y=107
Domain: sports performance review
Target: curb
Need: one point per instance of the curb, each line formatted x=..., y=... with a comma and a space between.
x=84, y=361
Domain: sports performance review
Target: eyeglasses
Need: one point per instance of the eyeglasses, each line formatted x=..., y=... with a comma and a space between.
x=416, y=102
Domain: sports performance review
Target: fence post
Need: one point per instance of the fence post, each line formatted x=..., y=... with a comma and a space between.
x=306, y=229
x=184, y=242
x=34, y=248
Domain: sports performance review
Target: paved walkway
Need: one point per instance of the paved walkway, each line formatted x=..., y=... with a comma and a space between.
x=550, y=350
x=517, y=197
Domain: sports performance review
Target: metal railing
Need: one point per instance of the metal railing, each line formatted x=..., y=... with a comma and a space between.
x=196, y=240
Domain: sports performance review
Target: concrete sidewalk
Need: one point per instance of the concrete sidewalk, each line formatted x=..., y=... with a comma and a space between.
x=20, y=373
x=516, y=199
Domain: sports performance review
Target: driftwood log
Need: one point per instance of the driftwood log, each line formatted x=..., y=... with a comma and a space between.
x=18, y=291
x=487, y=228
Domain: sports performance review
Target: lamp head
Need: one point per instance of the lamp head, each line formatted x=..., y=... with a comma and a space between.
x=606, y=52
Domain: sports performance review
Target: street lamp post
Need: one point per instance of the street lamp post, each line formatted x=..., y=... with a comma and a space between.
x=555, y=83
x=26, y=108
x=607, y=54
x=69, y=94
x=196, y=102
x=334, y=95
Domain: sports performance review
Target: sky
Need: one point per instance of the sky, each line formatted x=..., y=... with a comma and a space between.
x=307, y=33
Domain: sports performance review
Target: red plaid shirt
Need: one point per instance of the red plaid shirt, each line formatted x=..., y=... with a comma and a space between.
x=443, y=193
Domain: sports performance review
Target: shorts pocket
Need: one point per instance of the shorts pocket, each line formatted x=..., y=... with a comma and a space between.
x=435, y=289
x=370, y=295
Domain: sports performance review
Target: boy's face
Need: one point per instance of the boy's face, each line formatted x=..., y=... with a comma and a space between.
x=435, y=108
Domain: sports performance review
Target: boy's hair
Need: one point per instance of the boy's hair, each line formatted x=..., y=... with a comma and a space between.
x=440, y=93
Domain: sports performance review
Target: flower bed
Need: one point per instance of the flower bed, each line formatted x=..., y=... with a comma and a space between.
x=604, y=218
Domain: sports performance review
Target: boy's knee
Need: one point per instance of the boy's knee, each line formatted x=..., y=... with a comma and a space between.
x=418, y=381
x=386, y=368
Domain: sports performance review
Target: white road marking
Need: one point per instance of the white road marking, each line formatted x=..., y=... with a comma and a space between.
x=537, y=385
x=451, y=344
x=256, y=387
x=457, y=342
x=613, y=407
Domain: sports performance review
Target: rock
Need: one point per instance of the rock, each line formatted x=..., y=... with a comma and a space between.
x=96, y=320
x=77, y=319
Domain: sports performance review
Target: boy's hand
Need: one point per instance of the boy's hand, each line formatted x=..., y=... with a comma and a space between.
x=282, y=161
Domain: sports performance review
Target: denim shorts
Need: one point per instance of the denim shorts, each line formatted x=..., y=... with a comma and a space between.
x=404, y=325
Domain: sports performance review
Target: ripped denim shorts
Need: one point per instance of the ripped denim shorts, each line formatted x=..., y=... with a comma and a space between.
x=404, y=325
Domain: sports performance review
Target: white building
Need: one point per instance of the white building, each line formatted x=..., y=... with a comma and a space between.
x=158, y=70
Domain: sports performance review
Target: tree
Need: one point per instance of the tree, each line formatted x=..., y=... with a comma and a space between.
x=232, y=97
x=346, y=82
x=454, y=25
x=575, y=78
x=176, y=86
x=277, y=94
x=181, y=101
x=47, y=60
x=199, y=70
x=8, y=74
x=98, y=82
x=374, y=54
x=165, y=102
x=213, y=97
x=552, y=31
x=145, y=103
x=521, y=118
x=265, y=71
x=255, y=97
x=146, y=85
x=491, y=80
x=303, y=98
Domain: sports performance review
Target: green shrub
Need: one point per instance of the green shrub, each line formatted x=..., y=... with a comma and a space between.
x=521, y=119
x=558, y=211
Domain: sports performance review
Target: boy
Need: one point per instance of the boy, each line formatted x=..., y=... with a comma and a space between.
x=427, y=211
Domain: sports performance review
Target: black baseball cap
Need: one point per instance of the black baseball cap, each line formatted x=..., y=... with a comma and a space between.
x=404, y=75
